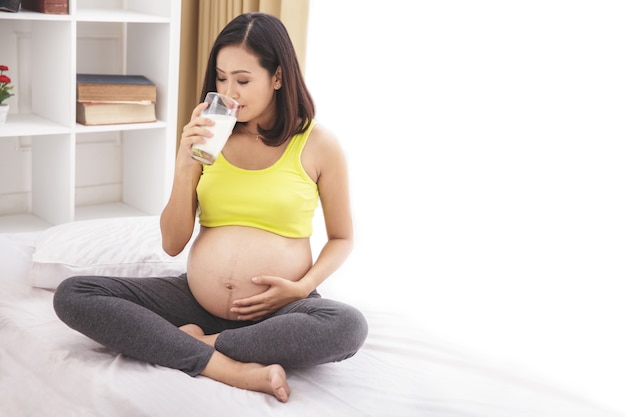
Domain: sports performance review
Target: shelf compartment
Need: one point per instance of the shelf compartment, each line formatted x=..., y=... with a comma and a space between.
x=22, y=223
x=132, y=11
x=30, y=125
x=117, y=15
x=53, y=178
x=145, y=170
x=135, y=175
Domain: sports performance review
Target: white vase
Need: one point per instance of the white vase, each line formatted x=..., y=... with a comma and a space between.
x=4, y=111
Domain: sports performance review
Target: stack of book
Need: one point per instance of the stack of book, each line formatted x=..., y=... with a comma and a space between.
x=103, y=99
x=46, y=6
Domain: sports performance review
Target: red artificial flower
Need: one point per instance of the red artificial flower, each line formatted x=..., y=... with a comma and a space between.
x=5, y=88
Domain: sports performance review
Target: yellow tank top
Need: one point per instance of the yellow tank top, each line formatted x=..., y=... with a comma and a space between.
x=280, y=199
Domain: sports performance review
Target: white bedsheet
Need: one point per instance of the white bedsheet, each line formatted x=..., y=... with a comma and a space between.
x=47, y=369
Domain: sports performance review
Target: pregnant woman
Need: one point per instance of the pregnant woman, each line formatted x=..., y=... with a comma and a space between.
x=247, y=308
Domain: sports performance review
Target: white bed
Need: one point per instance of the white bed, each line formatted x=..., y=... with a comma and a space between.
x=47, y=369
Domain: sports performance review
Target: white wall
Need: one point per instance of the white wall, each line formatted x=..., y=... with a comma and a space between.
x=487, y=147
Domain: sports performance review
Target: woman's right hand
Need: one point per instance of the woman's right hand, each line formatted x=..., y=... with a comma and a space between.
x=193, y=132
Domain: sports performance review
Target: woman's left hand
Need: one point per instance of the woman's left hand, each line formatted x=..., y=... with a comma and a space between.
x=280, y=292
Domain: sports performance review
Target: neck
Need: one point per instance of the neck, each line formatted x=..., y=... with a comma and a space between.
x=243, y=129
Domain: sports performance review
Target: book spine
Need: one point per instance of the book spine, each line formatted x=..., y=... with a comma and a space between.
x=112, y=79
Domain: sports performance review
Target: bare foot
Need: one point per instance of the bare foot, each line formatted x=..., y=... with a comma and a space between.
x=195, y=331
x=269, y=379
x=192, y=330
x=278, y=383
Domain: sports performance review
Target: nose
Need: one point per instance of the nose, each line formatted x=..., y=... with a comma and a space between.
x=231, y=90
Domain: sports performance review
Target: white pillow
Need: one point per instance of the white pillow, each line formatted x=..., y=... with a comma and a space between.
x=121, y=247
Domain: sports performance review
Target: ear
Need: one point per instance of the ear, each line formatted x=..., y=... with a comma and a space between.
x=277, y=79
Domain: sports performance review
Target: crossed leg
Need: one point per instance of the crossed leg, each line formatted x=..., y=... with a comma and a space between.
x=270, y=379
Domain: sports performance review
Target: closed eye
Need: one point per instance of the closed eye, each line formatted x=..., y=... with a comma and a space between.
x=242, y=82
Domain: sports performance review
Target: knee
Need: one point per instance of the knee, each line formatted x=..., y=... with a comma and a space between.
x=353, y=329
x=67, y=286
x=65, y=298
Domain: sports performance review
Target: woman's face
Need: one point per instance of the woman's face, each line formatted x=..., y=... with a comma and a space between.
x=240, y=76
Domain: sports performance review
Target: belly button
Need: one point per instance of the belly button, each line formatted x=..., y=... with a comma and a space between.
x=229, y=286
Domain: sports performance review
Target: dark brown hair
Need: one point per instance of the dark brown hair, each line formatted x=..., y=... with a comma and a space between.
x=266, y=37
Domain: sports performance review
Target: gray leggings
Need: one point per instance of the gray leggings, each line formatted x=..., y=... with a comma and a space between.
x=139, y=317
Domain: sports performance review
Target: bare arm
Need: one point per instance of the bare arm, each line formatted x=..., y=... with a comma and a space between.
x=178, y=216
x=333, y=184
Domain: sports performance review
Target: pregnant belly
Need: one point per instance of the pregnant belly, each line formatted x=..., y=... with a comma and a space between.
x=223, y=261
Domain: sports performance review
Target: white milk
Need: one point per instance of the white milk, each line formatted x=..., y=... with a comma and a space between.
x=207, y=152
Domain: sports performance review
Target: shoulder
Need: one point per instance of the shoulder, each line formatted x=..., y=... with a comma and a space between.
x=322, y=151
x=322, y=140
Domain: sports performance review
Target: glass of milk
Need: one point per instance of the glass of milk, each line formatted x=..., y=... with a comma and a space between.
x=223, y=111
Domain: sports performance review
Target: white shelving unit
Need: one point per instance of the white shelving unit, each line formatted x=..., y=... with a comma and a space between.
x=53, y=170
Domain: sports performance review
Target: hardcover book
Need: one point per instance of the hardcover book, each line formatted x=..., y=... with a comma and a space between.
x=91, y=114
x=12, y=6
x=46, y=6
x=114, y=87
